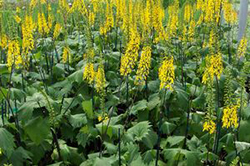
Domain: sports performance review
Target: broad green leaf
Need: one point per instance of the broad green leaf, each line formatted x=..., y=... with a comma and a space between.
x=102, y=162
x=175, y=140
x=38, y=130
x=77, y=120
x=167, y=127
x=88, y=108
x=242, y=146
x=140, y=130
x=141, y=105
x=7, y=144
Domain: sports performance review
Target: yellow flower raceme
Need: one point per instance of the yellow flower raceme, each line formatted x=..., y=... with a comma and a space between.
x=230, y=14
x=63, y=4
x=144, y=66
x=242, y=47
x=4, y=41
x=43, y=27
x=57, y=30
x=209, y=126
x=33, y=3
x=166, y=73
x=214, y=67
x=89, y=73
x=109, y=23
x=129, y=60
x=43, y=1
x=91, y=18
x=230, y=117
x=100, y=79
x=66, y=57
x=173, y=19
x=14, y=55
x=17, y=19
x=28, y=39
x=1, y=3
x=104, y=119
x=188, y=13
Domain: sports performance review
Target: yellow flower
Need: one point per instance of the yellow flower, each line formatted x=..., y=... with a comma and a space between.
x=210, y=126
x=230, y=117
x=4, y=41
x=109, y=23
x=89, y=73
x=63, y=4
x=1, y=3
x=43, y=27
x=188, y=13
x=91, y=18
x=230, y=14
x=214, y=67
x=104, y=119
x=57, y=30
x=66, y=57
x=100, y=79
x=242, y=47
x=14, y=58
x=144, y=66
x=43, y=1
x=129, y=60
x=33, y=3
x=28, y=39
x=173, y=19
x=166, y=73
x=17, y=19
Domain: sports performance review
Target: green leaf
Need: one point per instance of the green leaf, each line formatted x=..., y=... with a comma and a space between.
x=6, y=142
x=242, y=146
x=38, y=130
x=150, y=140
x=19, y=156
x=167, y=127
x=77, y=120
x=102, y=162
x=175, y=140
x=140, y=130
x=141, y=105
x=88, y=108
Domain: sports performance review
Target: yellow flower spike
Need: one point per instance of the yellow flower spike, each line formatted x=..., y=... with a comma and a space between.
x=129, y=60
x=100, y=79
x=144, y=66
x=230, y=116
x=230, y=14
x=3, y=41
x=242, y=47
x=57, y=30
x=166, y=73
x=89, y=73
x=13, y=55
x=209, y=126
x=17, y=19
x=66, y=57
x=214, y=67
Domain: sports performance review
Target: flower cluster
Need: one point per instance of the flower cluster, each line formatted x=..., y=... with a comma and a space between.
x=89, y=73
x=66, y=57
x=144, y=66
x=166, y=73
x=209, y=126
x=242, y=47
x=14, y=58
x=214, y=67
x=230, y=116
x=129, y=60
